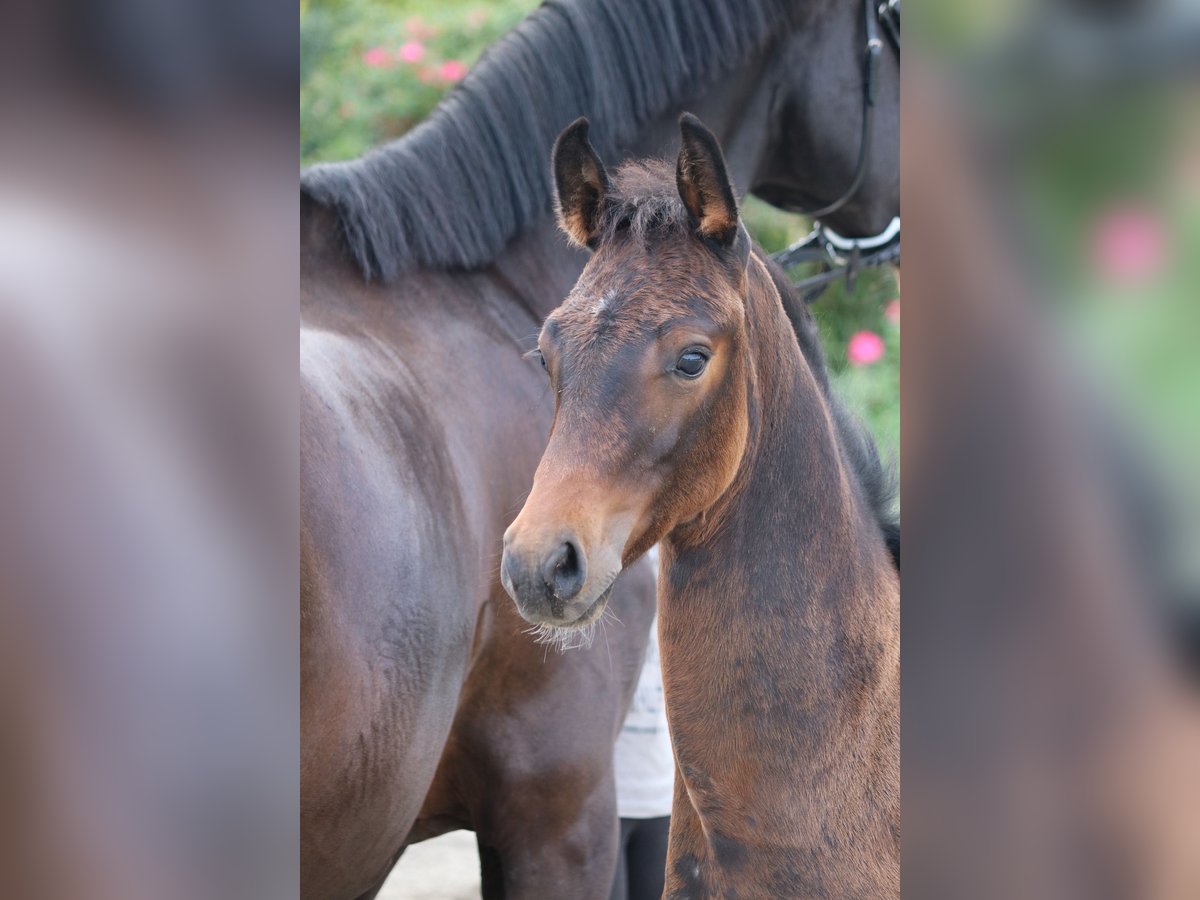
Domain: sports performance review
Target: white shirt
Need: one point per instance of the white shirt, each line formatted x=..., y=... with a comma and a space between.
x=645, y=763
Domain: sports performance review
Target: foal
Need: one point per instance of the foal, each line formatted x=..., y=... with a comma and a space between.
x=688, y=414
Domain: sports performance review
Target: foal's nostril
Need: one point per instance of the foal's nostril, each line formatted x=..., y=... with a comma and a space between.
x=564, y=571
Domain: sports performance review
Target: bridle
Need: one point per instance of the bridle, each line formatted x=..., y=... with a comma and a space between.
x=842, y=256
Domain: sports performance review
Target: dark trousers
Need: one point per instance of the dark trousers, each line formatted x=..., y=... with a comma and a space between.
x=642, y=859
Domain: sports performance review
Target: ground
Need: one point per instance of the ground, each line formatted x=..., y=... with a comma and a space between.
x=445, y=868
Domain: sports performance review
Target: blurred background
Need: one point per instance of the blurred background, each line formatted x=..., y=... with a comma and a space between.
x=372, y=69
x=1052, y=401
x=1084, y=117
x=148, y=467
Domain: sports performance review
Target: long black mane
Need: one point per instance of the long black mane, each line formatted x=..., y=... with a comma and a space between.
x=451, y=193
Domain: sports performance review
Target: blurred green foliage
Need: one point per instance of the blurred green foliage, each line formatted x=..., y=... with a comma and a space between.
x=356, y=88
x=372, y=69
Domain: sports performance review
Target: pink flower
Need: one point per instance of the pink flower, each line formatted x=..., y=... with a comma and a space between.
x=411, y=51
x=865, y=348
x=452, y=70
x=377, y=58
x=1129, y=244
x=892, y=311
x=419, y=30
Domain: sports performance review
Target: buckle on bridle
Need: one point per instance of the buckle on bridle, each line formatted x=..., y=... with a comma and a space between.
x=839, y=256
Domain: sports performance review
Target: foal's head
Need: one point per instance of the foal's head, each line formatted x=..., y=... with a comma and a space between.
x=649, y=364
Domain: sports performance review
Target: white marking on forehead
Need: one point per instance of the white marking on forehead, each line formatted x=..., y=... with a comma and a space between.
x=604, y=302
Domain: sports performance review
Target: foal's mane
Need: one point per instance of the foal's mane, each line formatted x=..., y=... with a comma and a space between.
x=456, y=189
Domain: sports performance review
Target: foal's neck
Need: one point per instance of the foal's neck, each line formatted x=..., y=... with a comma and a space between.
x=778, y=611
x=793, y=474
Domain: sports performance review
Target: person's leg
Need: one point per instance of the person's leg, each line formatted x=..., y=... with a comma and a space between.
x=620, y=888
x=645, y=856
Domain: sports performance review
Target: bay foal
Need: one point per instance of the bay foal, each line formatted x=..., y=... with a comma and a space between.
x=688, y=413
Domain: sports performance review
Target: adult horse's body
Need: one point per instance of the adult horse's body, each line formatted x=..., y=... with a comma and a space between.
x=688, y=413
x=423, y=706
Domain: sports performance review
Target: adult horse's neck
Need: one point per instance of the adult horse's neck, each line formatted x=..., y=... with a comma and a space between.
x=779, y=628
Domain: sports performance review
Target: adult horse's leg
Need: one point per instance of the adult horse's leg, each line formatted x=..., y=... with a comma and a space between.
x=529, y=761
x=491, y=873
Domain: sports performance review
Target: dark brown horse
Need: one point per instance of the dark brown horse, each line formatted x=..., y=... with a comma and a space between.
x=688, y=413
x=427, y=268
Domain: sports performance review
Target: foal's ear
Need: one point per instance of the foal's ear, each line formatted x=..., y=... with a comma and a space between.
x=703, y=183
x=580, y=184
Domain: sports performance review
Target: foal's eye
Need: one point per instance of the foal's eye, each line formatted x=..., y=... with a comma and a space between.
x=536, y=353
x=691, y=363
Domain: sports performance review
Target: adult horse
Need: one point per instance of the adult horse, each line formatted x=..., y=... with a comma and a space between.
x=688, y=413
x=426, y=268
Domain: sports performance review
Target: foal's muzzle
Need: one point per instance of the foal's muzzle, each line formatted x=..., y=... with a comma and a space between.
x=545, y=581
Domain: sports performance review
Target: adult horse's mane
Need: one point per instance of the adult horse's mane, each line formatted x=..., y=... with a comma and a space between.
x=455, y=190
